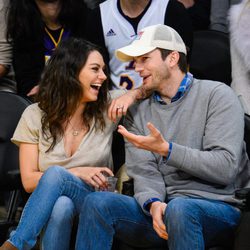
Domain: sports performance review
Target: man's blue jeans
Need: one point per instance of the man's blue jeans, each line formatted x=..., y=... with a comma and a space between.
x=55, y=182
x=192, y=224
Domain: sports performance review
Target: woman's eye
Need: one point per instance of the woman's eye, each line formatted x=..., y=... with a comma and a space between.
x=95, y=69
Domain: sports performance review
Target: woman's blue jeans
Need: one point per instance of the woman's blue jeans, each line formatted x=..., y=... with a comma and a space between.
x=192, y=224
x=59, y=227
x=55, y=182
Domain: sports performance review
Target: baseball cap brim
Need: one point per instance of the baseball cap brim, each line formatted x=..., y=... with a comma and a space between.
x=128, y=53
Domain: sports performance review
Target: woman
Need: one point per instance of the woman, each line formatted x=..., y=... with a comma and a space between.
x=68, y=129
x=35, y=28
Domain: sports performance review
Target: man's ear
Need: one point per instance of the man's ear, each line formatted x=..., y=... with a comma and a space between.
x=173, y=58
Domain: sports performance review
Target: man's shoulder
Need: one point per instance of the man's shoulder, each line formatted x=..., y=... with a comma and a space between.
x=140, y=106
x=209, y=85
x=213, y=90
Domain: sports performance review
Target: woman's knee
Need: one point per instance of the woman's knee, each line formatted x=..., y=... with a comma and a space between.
x=98, y=202
x=63, y=211
x=53, y=174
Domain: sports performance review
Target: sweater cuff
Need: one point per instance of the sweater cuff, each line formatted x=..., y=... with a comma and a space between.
x=165, y=158
x=148, y=202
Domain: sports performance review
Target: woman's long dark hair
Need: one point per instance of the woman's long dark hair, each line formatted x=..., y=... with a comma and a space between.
x=24, y=18
x=60, y=90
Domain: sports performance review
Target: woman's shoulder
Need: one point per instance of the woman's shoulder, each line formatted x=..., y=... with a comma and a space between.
x=33, y=111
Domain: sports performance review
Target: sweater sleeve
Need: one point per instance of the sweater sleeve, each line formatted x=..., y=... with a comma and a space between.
x=218, y=160
x=143, y=168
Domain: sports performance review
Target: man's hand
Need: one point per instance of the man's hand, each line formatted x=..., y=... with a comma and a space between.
x=157, y=210
x=153, y=142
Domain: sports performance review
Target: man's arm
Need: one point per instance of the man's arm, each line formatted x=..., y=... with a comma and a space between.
x=218, y=160
x=143, y=167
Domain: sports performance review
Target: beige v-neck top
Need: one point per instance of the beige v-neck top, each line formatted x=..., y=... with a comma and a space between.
x=94, y=149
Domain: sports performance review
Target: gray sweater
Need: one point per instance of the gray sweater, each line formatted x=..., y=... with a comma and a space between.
x=208, y=158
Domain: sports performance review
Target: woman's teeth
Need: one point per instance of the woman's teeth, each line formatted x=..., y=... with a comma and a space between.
x=96, y=86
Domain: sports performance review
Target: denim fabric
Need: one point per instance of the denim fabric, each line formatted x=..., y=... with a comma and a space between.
x=59, y=227
x=191, y=223
x=55, y=182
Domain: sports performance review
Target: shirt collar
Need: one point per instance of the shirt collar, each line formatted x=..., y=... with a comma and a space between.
x=184, y=86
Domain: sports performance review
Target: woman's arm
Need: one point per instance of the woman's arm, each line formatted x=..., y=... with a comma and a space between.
x=30, y=174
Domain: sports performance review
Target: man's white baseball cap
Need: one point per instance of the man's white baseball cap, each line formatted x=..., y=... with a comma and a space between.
x=150, y=38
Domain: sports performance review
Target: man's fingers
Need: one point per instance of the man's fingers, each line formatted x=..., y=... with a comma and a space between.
x=153, y=130
x=129, y=136
x=162, y=233
x=122, y=130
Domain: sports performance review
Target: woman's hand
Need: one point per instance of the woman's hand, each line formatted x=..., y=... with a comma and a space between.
x=93, y=176
x=119, y=106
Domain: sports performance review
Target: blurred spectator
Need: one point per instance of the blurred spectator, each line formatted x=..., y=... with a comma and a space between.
x=35, y=28
x=93, y=3
x=239, y=19
x=115, y=24
x=6, y=83
x=5, y=48
x=199, y=12
x=219, y=14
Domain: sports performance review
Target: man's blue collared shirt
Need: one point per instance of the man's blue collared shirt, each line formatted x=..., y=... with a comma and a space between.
x=184, y=86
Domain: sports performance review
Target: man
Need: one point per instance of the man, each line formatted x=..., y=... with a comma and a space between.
x=115, y=23
x=185, y=152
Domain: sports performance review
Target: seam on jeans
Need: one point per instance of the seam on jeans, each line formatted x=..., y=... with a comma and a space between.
x=133, y=222
x=218, y=218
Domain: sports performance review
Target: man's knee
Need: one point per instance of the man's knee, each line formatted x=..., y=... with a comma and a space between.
x=180, y=210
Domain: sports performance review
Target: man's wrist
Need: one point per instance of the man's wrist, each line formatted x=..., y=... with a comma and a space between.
x=152, y=205
x=149, y=202
x=167, y=151
x=142, y=93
